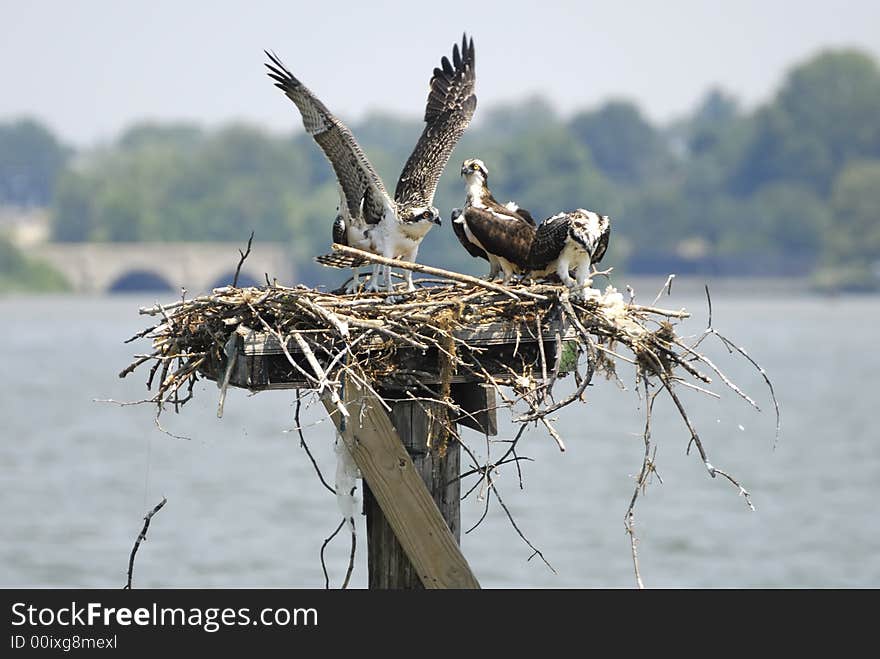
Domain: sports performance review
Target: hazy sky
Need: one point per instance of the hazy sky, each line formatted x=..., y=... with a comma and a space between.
x=90, y=67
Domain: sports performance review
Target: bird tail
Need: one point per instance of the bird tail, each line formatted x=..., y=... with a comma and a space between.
x=337, y=260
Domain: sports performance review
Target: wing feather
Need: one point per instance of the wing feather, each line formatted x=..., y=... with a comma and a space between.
x=474, y=250
x=358, y=179
x=526, y=215
x=549, y=241
x=510, y=238
x=448, y=111
x=602, y=243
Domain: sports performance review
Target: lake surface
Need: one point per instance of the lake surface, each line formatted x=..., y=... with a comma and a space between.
x=246, y=509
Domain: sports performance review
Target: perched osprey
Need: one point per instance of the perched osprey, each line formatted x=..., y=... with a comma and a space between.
x=573, y=240
x=369, y=219
x=500, y=233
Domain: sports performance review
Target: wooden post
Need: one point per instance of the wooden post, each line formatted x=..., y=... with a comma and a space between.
x=399, y=489
x=389, y=566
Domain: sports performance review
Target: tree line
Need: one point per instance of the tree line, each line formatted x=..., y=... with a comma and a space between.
x=790, y=188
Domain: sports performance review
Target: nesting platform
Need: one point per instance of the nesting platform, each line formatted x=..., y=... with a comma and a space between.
x=399, y=374
x=441, y=340
x=263, y=363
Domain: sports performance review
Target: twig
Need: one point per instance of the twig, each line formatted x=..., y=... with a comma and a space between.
x=695, y=439
x=324, y=546
x=351, y=555
x=168, y=432
x=739, y=392
x=485, y=507
x=535, y=550
x=641, y=483
x=732, y=347
x=439, y=272
x=323, y=380
x=666, y=287
x=669, y=313
x=123, y=403
x=302, y=442
x=763, y=373
x=244, y=255
x=340, y=325
x=141, y=537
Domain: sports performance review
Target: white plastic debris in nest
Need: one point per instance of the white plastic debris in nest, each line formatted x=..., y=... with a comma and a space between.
x=612, y=304
x=613, y=307
x=347, y=474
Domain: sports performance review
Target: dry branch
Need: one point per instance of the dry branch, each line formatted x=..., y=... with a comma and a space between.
x=141, y=537
x=437, y=272
x=244, y=254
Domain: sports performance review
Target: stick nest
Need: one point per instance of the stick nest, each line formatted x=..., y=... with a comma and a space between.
x=445, y=325
x=517, y=340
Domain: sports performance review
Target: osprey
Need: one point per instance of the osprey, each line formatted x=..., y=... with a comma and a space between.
x=573, y=240
x=369, y=218
x=500, y=233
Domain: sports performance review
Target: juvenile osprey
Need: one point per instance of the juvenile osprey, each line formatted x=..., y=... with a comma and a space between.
x=500, y=233
x=573, y=240
x=369, y=219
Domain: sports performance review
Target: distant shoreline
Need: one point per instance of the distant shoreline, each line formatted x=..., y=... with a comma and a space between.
x=646, y=288
x=648, y=285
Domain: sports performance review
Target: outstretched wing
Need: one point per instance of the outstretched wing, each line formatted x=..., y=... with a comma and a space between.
x=451, y=104
x=358, y=180
x=508, y=237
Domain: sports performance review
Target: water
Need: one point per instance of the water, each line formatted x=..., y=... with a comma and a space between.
x=245, y=508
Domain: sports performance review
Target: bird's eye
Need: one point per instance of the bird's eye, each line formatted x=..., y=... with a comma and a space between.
x=475, y=167
x=426, y=215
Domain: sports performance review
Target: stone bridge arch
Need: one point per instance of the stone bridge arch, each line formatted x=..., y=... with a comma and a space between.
x=94, y=267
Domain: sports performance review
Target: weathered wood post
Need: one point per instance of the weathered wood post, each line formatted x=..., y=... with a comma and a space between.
x=410, y=469
x=409, y=538
x=388, y=565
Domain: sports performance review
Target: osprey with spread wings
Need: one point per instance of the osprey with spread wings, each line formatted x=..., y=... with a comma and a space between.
x=369, y=218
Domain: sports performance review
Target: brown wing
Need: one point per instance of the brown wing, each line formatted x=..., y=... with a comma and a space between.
x=458, y=228
x=526, y=215
x=549, y=241
x=358, y=180
x=602, y=244
x=451, y=104
x=506, y=236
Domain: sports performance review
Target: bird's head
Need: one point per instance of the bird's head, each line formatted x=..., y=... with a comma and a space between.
x=474, y=169
x=421, y=214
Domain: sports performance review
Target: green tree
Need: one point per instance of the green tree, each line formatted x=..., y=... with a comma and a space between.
x=825, y=115
x=181, y=134
x=19, y=273
x=31, y=159
x=624, y=145
x=853, y=237
x=791, y=223
x=706, y=130
x=73, y=213
x=175, y=184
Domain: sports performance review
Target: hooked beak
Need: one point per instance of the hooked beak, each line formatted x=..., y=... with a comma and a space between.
x=464, y=170
x=438, y=221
